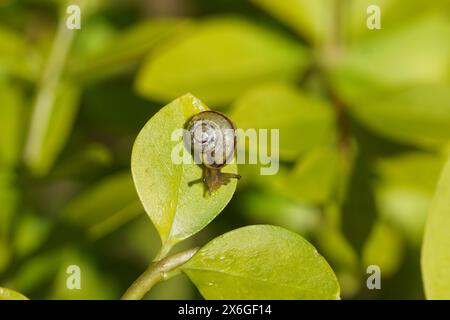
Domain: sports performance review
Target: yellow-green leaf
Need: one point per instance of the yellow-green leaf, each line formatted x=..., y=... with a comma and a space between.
x=436, y=242
x=9, y=294
x=303, y=121
x=221, y=59
x=176, y=209
x=261, y=262
x=419, y=115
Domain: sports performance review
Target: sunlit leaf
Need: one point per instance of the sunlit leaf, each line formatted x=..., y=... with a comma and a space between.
x=46, y=139
x=126, y=49
x=221, y=59
x=384, y=248
x=176, y=209
x=94, y=284
x=16, y=55
x=268, y=207
x=105, y=207
x=303, y=121
x=30, y=232
x=413, y=54
x=261, y=262
x=313, y=179
x=404, y=189
x=419, y=115
x=436, y=243
x=312, y=19
x=9, y=294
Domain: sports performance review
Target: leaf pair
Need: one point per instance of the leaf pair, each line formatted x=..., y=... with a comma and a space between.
x=255, y=262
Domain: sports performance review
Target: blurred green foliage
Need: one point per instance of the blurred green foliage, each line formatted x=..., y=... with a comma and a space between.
x=364, y=119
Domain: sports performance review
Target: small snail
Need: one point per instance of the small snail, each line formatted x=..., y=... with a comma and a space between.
x=212, y=141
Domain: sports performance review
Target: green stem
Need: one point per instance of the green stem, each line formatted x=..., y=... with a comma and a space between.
x=157, y=272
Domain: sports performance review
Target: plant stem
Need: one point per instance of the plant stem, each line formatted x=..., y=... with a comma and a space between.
x=43, y=104
x=156, y=272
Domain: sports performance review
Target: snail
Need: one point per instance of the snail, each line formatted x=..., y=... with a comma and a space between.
x=212, y=140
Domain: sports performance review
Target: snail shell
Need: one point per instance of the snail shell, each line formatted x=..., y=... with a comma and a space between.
x=212, y=139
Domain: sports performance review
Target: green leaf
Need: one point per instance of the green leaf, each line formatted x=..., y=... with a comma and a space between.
x=11, y=123
x=313, y=179
x=303, y=121
x=404, y=189
x=94, y=284
x=268, y=207
x=220, y=60
x=384, y=248
x=9, y=294
x=419, y=115
x=261, y=262
x=17, y=57
x=436, y=243
x=394, y=13
x=176, y=209
x=126, y=49
x=311, y=19
x=104, y=207
x=415, y=53
x=47, y=138
x=31, y=230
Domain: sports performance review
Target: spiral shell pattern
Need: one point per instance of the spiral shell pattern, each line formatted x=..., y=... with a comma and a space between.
x=212, y=139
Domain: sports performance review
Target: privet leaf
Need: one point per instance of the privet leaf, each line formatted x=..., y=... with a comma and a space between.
x=436, y=242
x=176, y=209
x=303, y=122
x=311, y=19
x=416, y=53
x=221, y=59
x=105, y=207
x=261, y=262
x=419, y=115
x=9, y=294
x=404, y=190
x=41, y=153
x=384, y=248
x=313, y=179
x=17, y=57
x=126, y=49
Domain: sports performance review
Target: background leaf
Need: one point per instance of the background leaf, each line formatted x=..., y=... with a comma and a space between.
x=419, y=115
x=436, y=243
x=177, y=210
x=104, y=207
x=12, y=118
x=390, y=58
x=303, y=121
x=42, y=153
x=261, y=262
x=126, y=49
x=311, y=19
x=220, y=60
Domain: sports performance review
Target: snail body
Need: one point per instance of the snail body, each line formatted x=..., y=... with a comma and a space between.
x=212, y=141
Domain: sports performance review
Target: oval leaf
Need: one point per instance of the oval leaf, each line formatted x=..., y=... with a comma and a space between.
x=436, y=243
x=413, y=54
x=303, y=122
x=261, y=262
x=222, y=59
x=420, y=115
x=8, y=294
x=176, y=209
x=312, y=19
